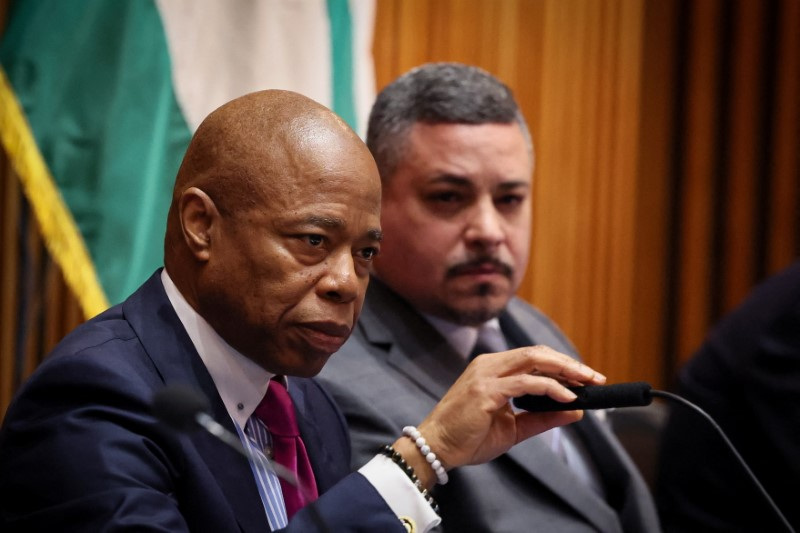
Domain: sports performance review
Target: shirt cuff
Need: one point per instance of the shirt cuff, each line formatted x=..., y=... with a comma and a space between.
x=403, y=498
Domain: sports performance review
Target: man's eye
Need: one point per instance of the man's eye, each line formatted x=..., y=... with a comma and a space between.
x=509, y=199
x=446, y=197
x=369, y=253
x=315, y=240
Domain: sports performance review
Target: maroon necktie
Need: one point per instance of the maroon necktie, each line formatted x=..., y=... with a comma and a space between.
x=277, y=412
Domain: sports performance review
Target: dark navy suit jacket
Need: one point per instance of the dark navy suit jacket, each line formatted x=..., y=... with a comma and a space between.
x=80, y=451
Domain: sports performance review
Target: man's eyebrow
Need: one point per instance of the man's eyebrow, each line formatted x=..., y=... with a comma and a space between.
x=514, y=185
x=336, y=223
x=452, y=179
x=461, y=181
x=325, y=222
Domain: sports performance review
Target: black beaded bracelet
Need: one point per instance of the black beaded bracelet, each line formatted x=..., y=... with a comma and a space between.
x=397, y=459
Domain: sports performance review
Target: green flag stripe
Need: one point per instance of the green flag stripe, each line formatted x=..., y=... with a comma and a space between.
x=111, y=133
x=342, y=61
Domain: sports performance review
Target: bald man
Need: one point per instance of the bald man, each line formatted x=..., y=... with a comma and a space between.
x=273, y=225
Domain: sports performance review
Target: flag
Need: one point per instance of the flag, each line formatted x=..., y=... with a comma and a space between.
x=101, y=97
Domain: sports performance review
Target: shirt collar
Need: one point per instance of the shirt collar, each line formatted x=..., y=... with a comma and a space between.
x=461, y=338
x=241, y=383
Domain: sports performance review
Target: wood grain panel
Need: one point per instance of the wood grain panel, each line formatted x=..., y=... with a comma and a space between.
x=697, y=192
x=784, y=216
x=9, y=279
x=737, y=209
x=37, y=309
x=584, y=222
x=654, y=194
x=738, y=191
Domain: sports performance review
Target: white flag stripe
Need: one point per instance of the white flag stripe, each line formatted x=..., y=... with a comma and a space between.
x=221, y=50
x=362, y=15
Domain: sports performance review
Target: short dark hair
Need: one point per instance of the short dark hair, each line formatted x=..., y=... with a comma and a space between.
x=437, y=93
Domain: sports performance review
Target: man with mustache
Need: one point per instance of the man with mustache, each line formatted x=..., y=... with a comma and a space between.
x=456, y=162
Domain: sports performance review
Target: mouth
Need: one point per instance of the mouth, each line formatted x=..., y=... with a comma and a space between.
x=480, y=268
x=326, y=336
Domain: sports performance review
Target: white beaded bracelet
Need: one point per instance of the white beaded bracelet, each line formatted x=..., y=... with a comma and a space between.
x=413, y=433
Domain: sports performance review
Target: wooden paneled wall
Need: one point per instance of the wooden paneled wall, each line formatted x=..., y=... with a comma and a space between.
x=667, y=177
x=576, y=68
x=735, y=216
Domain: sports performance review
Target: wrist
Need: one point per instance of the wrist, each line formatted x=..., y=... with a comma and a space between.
x=408, y=449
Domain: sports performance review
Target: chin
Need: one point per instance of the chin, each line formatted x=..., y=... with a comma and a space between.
x=300, y=365
x=310, y=367
x=473, y=316
x=477, y=309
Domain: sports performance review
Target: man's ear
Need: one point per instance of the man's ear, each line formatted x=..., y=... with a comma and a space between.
x=197, y=214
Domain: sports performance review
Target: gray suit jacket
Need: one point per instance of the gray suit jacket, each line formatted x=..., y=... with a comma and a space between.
x=395, y=368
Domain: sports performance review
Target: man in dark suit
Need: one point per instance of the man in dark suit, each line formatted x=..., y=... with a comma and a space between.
x=746, y=375
x=273, y=225
x=456, y=161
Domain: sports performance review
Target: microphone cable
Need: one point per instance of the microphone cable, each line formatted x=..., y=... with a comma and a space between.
x=636, y=394
x=184, y=409
x=731, y=447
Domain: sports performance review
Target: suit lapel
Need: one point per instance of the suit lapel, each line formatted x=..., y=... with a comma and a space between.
x=173, y=354
x=611, y=470
x=536, y=457
x=416, y=349
x=621, y=479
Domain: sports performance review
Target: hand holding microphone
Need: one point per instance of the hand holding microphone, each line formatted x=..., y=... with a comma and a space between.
x=474, y=423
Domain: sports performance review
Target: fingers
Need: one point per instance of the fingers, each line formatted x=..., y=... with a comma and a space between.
x=538, y=361
x=517, y=385
x=541, y=361
x=537, y=370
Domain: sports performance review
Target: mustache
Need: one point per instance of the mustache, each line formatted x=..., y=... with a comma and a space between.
x=461, y=268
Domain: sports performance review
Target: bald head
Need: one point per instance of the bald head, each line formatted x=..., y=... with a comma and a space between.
x=247, y=143
x=272, y=186
x=250, y=139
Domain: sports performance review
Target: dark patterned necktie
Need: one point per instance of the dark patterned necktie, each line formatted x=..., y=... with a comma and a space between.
x=277, y=412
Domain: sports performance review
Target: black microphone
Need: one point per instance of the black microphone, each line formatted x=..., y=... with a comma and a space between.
x=633, y=394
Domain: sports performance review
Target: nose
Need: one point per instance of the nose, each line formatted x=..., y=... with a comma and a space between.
x=485, y=226
x=340, y=282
